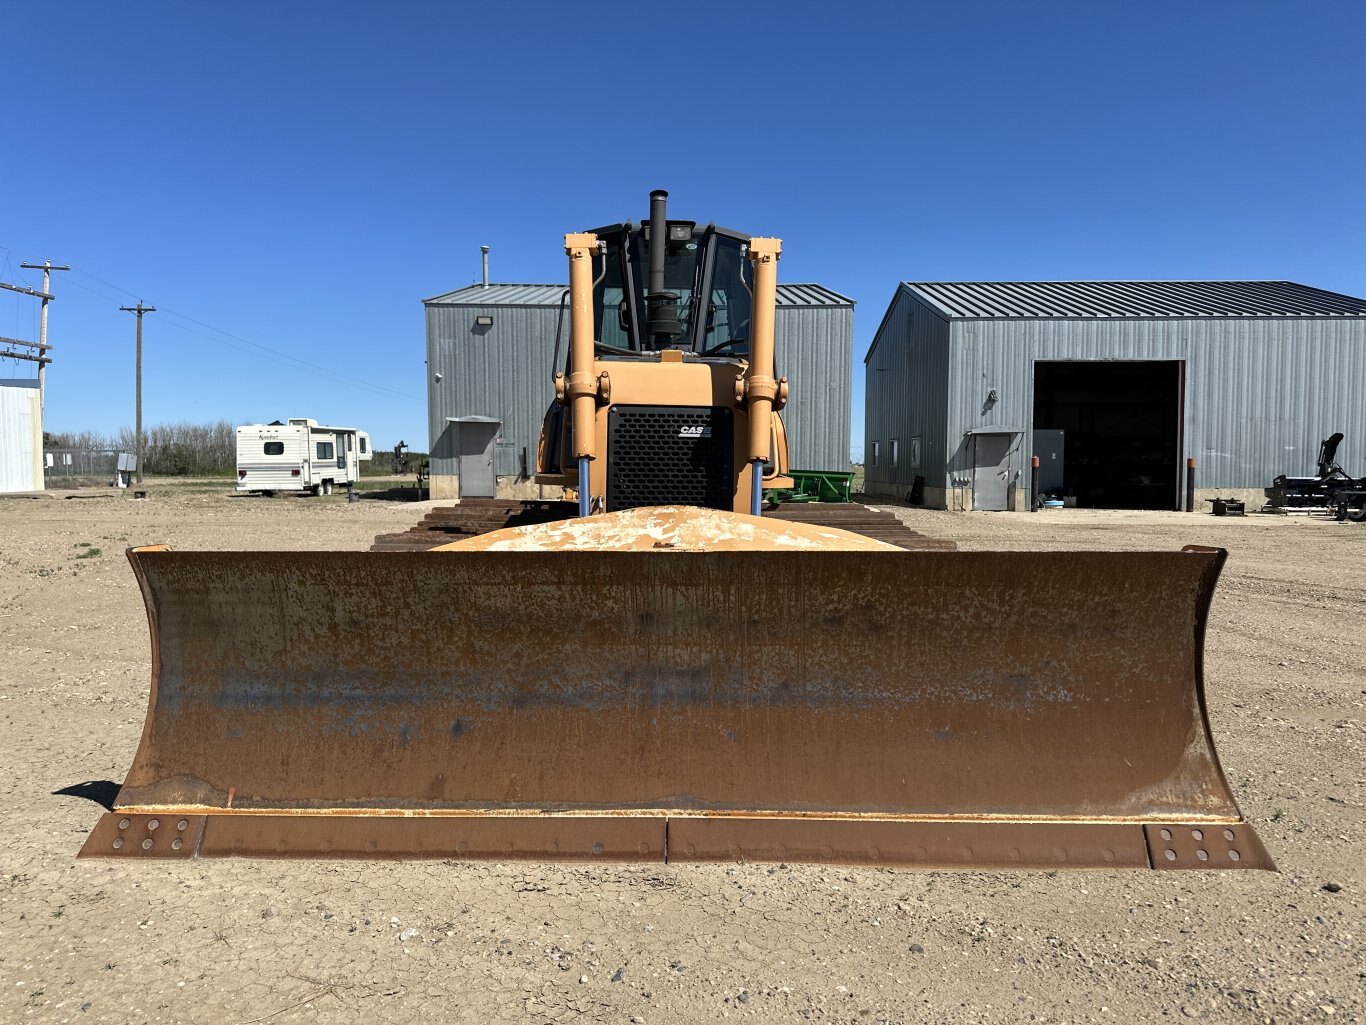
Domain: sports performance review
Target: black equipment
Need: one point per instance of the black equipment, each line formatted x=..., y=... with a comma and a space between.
x=1332, y=489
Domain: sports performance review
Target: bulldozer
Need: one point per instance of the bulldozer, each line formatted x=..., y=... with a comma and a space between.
x=671, y=370
x=671, y=674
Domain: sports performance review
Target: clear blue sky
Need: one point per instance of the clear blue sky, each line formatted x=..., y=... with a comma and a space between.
x=299, y=176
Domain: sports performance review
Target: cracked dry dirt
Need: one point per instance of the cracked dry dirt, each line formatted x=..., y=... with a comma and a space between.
x=266, y=941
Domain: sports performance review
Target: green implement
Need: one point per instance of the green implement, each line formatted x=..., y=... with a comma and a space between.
x=819, y=486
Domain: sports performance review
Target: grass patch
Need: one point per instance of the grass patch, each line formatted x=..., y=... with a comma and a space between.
x=89, y=553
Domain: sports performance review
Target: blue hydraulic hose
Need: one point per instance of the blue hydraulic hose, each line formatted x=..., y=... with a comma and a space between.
x=756, y=489
x=585, y=499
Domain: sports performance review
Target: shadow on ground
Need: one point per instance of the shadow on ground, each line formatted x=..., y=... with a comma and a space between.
x=101, y=791
x=398, y=494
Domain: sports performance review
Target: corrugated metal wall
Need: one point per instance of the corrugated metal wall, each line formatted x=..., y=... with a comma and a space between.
x=504, y=371
x=815, y=351
x=1261, y=393
x=501, y=371
x=21, y=437
x=906, y=389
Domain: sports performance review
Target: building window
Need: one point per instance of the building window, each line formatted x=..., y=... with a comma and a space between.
x=275, y=448
x=914, y=453
x=895, y=453
x=325, y=450
x=873, y=461
x=349, y=443
x=362, y=444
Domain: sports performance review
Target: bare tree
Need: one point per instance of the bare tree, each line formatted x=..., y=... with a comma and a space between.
x=182, y=449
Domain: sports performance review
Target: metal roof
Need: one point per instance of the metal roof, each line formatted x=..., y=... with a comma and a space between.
x=549, y=295
x=500, y=295
x=810, y=295
x=1108, y=299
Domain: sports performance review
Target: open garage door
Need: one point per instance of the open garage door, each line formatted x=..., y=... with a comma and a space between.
x=1121, y=424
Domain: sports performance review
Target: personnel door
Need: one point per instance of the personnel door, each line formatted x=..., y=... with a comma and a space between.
x=477, y=441
x=991, y=472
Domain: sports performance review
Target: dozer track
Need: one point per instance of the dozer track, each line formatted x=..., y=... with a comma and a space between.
x=470, y=518
x=864, y=705
x=477, y=516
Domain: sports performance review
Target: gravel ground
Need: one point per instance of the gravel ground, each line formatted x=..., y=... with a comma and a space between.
x=257, y=941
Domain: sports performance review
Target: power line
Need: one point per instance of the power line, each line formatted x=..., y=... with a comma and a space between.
x=95, y=292
x=229, y=334
x=290, y=362
x=252, y=348
x=5, y=272
x=256, y=348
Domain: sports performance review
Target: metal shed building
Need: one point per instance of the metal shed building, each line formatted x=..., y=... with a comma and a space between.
x=490, y=351
x=1114, y=384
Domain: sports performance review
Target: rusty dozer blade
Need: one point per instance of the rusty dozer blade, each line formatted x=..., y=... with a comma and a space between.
x=860, y=706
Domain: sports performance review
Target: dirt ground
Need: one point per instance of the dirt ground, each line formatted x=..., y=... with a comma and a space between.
x=266, y=941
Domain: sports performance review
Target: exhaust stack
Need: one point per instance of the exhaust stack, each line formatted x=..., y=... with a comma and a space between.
x=659, y=228
x=662, y=324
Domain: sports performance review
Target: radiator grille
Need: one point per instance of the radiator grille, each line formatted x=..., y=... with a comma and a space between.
x=670, y=455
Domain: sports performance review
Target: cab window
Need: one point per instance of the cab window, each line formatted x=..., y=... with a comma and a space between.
x=731, y=305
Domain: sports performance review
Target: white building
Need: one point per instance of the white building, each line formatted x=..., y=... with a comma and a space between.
x=21, y=437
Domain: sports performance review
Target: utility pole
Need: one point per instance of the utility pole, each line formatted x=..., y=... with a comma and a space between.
x=47, y=267
x=139, y=309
